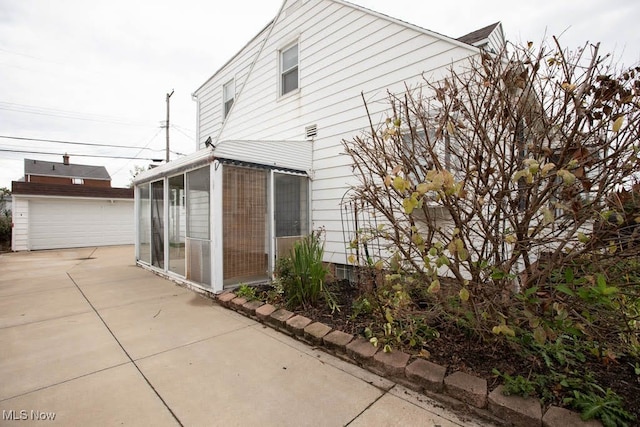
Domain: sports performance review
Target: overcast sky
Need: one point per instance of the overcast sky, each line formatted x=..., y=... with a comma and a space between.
x=98, y=71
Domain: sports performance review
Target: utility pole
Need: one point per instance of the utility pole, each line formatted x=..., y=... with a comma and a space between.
x=167, y=124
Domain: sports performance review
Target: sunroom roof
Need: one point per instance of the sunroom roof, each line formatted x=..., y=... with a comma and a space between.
x=289, y=155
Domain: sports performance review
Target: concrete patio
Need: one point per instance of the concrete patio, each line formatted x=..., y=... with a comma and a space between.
x=89, y=337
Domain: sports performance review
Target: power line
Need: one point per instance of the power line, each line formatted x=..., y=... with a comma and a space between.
x=81, y=155
x=67, y=114
x=179, y=129
x=173, y=125
x=91, y=144
x=138, y=153
x=30, y=56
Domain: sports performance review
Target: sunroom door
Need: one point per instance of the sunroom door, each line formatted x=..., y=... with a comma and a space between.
x=290, y=209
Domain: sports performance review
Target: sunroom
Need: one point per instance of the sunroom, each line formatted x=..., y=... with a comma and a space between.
x=220, y=217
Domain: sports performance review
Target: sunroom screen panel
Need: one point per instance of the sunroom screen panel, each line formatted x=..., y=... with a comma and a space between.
x=245, y=245
x=198, y=241
x=177, y=224
x=157, y=224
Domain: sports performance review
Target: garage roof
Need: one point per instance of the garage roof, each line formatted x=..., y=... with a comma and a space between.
x=41, y=189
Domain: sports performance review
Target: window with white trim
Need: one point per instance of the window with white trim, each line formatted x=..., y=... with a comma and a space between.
x=289, y=69
x=228, y=96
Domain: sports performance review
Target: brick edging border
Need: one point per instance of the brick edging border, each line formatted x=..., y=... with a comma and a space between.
x=458, y=390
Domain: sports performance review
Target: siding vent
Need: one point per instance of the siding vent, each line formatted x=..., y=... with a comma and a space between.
x=311, y=131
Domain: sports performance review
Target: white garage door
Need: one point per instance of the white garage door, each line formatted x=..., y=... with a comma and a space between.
x=68, y=223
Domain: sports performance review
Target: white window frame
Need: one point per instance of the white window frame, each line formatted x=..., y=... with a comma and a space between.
x=283, y=71
x=231, y=83
x=77, y=181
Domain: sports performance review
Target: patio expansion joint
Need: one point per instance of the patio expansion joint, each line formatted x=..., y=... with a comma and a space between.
x=104, y=282
x=366, y=408
x=194, y=342
x=38, y=292
x=33, y=322
x=82, y=260
x=141, y=301
x=65, y=381
x=175, y=417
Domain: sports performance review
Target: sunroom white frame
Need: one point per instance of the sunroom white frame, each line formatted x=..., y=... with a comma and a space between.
x=279, y=164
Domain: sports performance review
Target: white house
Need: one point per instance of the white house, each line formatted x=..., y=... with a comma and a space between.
x=270, y=165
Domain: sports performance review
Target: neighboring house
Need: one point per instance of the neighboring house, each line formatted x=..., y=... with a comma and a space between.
x=38, y=171
x=65, y=205
x=270, y=165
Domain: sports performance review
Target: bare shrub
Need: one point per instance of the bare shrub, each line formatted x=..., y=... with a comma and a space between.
x=493, y=182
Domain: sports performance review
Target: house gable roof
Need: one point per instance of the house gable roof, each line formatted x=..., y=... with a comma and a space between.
x=480, y=37
x=43, y=168
x=259, y=42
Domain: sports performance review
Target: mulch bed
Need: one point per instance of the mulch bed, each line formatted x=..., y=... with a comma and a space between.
x=458, y=351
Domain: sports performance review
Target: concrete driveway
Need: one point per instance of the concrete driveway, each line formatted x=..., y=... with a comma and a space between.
x=88, y=338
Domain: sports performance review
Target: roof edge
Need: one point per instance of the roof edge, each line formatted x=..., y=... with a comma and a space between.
x=190, y=161
x=70, y=176
x=74, y=191
x=194, y=94
x=408, y=25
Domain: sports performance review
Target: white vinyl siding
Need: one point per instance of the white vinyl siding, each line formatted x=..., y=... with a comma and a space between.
x=348, y=52
x=20, y=218
x=496, y=40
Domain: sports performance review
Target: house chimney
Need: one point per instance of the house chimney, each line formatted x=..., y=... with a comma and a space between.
x=65, y=159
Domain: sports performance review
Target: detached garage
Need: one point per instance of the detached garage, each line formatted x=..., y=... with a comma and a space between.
x=50, y=216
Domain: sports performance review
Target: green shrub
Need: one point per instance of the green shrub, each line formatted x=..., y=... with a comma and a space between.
x=5, y=226
x=303, y=275
x=360, y=306
x=247, y=292
x=518, y=385
x=606, y=406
